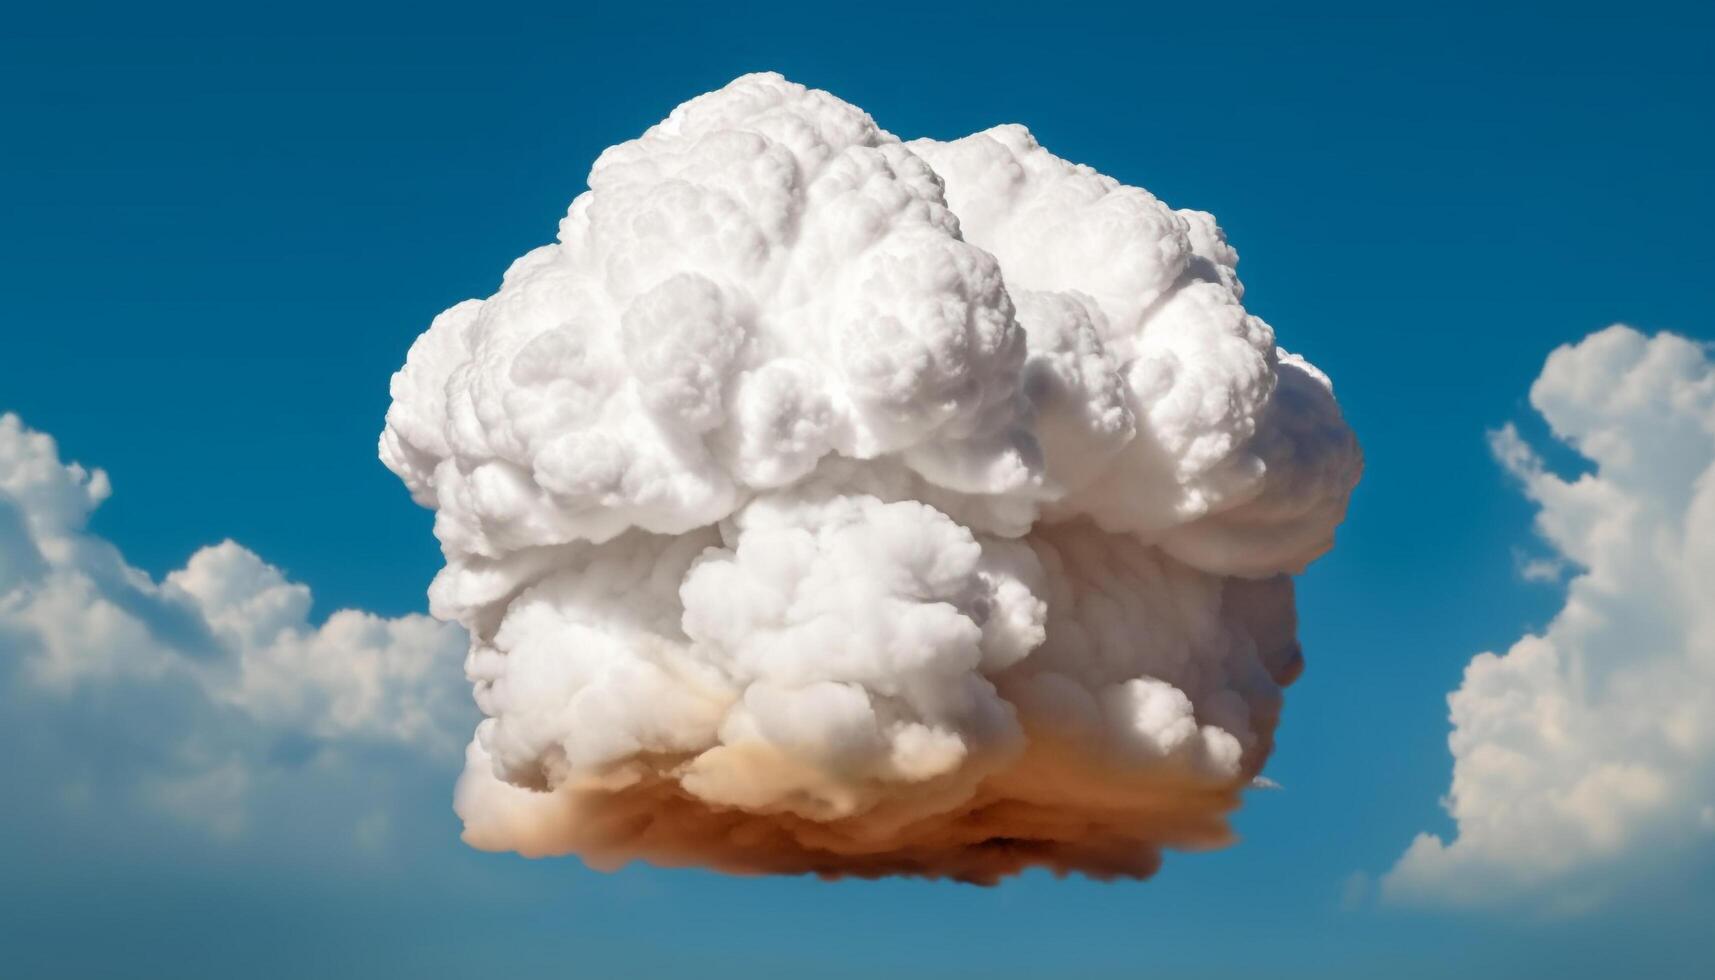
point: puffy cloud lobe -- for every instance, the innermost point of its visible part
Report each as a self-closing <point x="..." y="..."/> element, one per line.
<point x="1589" y="748"/>
<point x="822" y="502"/>
<point x="215" y="679"/>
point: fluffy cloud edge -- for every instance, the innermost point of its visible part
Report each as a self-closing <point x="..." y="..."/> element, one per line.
<point x="1585" y="753"/>
<point x="213" y="681"/>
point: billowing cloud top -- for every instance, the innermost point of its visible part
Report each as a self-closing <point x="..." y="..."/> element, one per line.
<point x="824" y="502"/>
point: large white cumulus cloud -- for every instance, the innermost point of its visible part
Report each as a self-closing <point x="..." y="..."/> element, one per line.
<point x="203" y="689"/>
<point x="823" y="502"/>
<point x="1590" y="746"/>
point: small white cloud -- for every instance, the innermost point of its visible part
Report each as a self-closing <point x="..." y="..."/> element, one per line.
<point x="1544" y="570"/>
<point x="1590" y="748"/>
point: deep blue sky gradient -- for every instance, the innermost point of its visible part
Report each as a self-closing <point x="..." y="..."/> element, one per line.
<point x="222" y="228"/>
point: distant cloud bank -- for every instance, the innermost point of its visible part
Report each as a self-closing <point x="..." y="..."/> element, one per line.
<point x="1590" y="747"/>
<point x="188" y="696"/>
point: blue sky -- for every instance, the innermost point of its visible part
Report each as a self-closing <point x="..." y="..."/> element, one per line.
<point x="222" y="231"/>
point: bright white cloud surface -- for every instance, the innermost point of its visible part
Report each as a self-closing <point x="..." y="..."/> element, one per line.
<point x="1589" y="748"/>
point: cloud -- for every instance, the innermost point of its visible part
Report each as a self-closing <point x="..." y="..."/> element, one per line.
<point x="188" y="697"/>
<point x="824" y="502"/>
<point x="1589" y="749"/>
<point x="1545" y="570"/>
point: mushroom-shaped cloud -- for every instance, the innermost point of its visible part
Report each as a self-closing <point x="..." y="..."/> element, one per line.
<point x="821" y="502"/>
